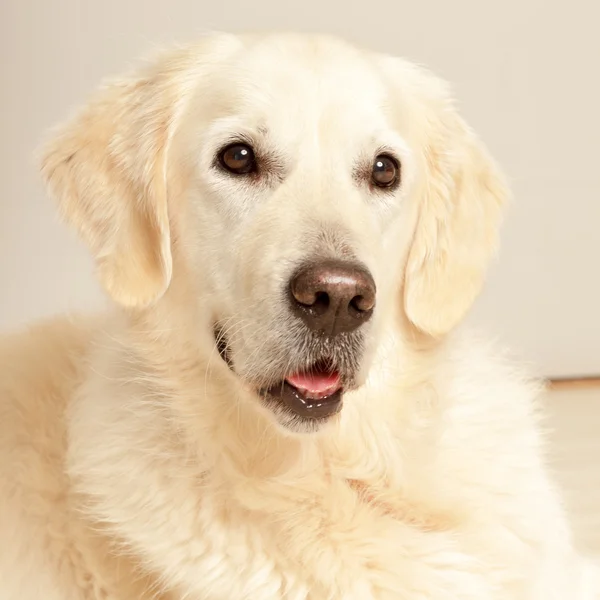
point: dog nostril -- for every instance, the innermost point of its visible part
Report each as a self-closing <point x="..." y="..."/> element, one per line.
<point x="317" y="303"/>
<point x="360" y="305"/>
<point x="363" y="302"/>
<point x="321" y="302"/>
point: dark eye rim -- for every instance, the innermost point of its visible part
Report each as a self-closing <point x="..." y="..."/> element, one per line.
<point x="252" y="166"/>
<point x="394" y="183"/>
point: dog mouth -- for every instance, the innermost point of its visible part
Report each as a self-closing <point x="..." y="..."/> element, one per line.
<point x="314" y="393"/>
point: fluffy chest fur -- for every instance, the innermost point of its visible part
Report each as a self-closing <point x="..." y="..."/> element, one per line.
<point x="209" y="494"/>
<point x="432" y="489"/>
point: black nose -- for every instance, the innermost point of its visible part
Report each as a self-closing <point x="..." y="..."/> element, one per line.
<point x="333" y="296"/>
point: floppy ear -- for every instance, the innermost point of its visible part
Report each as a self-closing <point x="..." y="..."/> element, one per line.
<point x="107" y="170"/>
<point x="459" y="216"/>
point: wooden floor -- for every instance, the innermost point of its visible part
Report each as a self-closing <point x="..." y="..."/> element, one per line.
<point x="575" y="420"/>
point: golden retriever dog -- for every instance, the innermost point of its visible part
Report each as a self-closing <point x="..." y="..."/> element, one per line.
<point x="281" y="404"/>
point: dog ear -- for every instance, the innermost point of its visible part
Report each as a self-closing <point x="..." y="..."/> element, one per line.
<point x="107" y="170"/>
<point x="461" y="196"/>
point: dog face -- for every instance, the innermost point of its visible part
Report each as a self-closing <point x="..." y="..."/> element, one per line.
<point x="310" y="192"/>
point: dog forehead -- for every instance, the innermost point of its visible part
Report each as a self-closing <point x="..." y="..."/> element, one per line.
<point x="299" y="83"/>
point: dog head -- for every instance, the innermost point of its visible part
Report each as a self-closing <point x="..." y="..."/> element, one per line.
<point x="301" y="192"/>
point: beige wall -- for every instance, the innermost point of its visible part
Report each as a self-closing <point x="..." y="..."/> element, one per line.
<point x="526" y="73"/>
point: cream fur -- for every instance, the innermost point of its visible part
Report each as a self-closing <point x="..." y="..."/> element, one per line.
<point x="135" y="464"/>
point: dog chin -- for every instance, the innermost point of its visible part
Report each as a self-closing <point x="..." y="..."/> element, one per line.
<point x="291" y="424"/>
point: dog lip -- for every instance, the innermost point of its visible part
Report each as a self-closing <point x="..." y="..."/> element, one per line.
<point x="302" y="404"/>
<point x="222" y="345"/>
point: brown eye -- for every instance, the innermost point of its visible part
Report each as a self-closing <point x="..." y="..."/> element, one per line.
<point x="238" y="159"/>
<point x="386" y="171"/>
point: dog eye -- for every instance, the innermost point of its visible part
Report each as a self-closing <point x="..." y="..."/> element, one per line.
<point x="386" y="171"/>
<point x="238" y="159"/>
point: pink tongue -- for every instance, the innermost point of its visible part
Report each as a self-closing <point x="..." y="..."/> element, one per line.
<point x="316" y="385"/>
